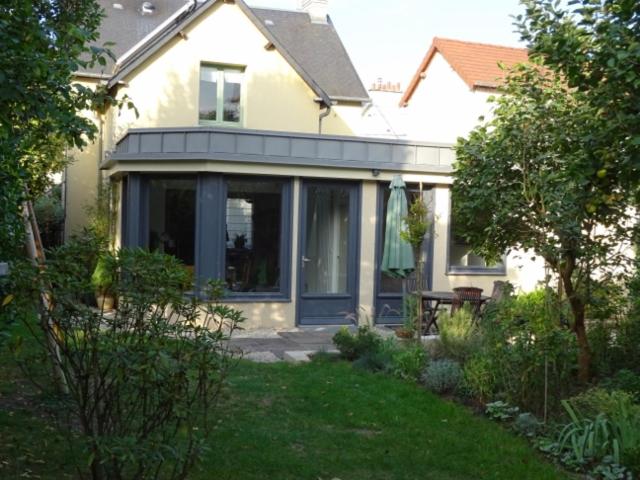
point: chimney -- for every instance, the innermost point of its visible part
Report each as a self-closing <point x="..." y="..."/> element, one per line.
<point x="317" y="9"/>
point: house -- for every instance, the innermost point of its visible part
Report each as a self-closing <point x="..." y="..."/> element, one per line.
<point x="245" y="161"/>
<point x="449" y="91"/>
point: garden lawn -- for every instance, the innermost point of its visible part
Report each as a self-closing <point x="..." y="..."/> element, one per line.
<point x="327" y="420"/>
<point x="317" y="421"/>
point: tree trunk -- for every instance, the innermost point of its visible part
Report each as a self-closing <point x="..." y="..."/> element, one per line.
<point x="578" y="327"/>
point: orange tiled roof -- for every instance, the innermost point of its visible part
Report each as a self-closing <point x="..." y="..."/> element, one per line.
<point x="476" y="63"/>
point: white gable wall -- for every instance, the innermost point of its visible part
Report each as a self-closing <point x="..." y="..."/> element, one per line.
<point x="443" y="107"/>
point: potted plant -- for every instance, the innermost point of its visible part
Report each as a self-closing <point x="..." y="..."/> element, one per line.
<point x="102" y="281"/>
<point x="240" y="240"/>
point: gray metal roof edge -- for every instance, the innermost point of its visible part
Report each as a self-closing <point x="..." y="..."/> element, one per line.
<point x="162" y="38"/>
<point x="99" y="76"/>
<point x="284" y="52"/>
<point x="155" y="43"/>
<point x="276" y="133"/>
<point x="352" y="99"/>
<point x="272" y="160"/>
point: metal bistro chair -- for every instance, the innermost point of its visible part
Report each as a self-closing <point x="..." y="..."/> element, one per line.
<point x="470" y="295"/>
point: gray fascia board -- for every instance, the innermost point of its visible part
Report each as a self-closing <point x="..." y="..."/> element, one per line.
<point x="279" y="133"/>
<point x="274" y="160"/>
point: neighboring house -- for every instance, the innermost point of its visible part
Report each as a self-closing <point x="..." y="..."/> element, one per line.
<point x="244" y="161"/>
<point x="449" y="91"/>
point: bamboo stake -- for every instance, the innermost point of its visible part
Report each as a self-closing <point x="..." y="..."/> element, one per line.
<point x="35" y="251"/>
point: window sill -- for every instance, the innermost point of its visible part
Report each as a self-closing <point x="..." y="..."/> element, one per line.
<point x="211" y="123"/>
<point x="256" y="298"/>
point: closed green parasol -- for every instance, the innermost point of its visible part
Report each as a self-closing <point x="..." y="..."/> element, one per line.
<point x="397" y="256"/>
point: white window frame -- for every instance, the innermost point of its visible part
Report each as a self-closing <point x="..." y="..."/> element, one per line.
<point x="220" y="94"/>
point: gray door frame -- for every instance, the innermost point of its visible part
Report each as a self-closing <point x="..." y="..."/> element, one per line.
<point x="347" y="303"/>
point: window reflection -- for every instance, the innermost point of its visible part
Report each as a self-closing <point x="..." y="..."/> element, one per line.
<point x="253" y="231"/>
<point x="172" y="226"/>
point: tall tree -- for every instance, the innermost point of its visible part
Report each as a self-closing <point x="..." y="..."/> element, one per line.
<point x="595" y="46"/>
<point x="534" y="178"/>
<point x="43" y="43"/>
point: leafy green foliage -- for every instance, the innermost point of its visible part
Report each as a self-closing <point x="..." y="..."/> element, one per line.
<point x="501" y="411"/>
<point x="416" y="223"/>
<point x="535" y="178"/>
<point x="49" y="213"/>
<point x="458" y="336"/>
<point x="595" y="46"/>
<point x="408" y="362"/>
<point x="43" y="44"/>
<point x="624" y="380"/>
<point x="442" y="376"/>
<point x="603" y="442"/>
<point x="143" y="382"/>
<point x="353" y="346"/>
<point x="525" y="356"/>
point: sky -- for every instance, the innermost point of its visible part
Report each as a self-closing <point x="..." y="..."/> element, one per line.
<point x="389" y="38"/>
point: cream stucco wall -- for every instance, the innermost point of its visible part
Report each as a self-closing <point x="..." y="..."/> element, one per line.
<point x="81" y="176"/>
<point x="165" y="88"/>
<point x="443" y="107"/>
<point x="522" y="270"/>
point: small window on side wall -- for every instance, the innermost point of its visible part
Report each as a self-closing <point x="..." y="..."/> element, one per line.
<point x="463" y="261"/>
<point x="220" y="98"/>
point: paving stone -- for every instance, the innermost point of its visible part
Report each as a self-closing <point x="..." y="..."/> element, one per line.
<point x="298" y="356"/>
<point x="262" y="357"/>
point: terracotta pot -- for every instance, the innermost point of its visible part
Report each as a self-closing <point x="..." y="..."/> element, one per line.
<point x="105" y="302"/>
<point x="403" y="333"/>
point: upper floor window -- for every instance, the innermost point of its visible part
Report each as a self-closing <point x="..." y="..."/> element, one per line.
<point x="220" y="95"/>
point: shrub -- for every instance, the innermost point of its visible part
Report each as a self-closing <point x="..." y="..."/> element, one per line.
<point x="442" y="376"/>
<point x="459" y="338"/>
<point x="353" y="346"/>
<point x="142" y="382"/>
<point x="527" y="354"/>
<point x="409" y="362"/>
<point x="624" y="380"/>
<point x="598" y="400"/>
<point x="480" y="377"/>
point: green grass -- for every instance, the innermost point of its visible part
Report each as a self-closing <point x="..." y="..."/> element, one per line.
<point x="322" y="420"/>
<point x="327" y="420"/>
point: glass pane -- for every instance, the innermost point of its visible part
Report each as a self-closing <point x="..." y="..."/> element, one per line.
<point x="391" y="284"/>
<point x="172" y="217"/>
<point x="327" y="240"/>
<point x="232" y="82"/>
<point x="461" y="256"/>
<point x="254" y="218"/>
<point x="208" y="93"/>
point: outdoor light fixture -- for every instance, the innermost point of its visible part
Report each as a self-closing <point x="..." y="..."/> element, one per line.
<point x="375" y="172"/>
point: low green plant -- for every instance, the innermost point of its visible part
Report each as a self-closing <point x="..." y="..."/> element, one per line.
<point x="603" y="442"/>
<point x="458" y="336"/>
<point x="527" y="425"/>
<point x="501" y="411"/>
<point x="442" y="376"/>
<point x="353" y="346"/>
<point x="612" y="403"/>
<point x="408" y="362"/>
<point x="480" y="377"/>
<point x="624" y="380"/>
<point x="103" y="276"/>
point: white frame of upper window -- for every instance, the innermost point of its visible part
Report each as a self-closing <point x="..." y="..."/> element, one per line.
<point x="220" y="70"/>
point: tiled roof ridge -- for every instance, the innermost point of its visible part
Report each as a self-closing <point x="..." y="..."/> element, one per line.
<point x="482" y="44"/>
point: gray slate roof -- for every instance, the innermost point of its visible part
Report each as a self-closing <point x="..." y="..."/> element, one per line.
<point x="318" y="49"/>
<point x="314" y="50"/>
